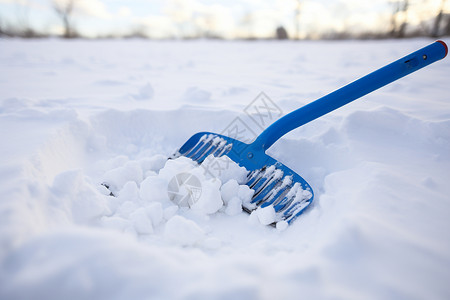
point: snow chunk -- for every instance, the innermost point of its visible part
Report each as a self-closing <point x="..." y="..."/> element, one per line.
<point x="234" y="206"/>
<point x="155" y="212"/>
<point x="116" y="178"/>
<point x="266" y="215"/>
<point x="126" y="209"/>
<point x="229" y="190"/>
<point x="224" y="168"/>
<point x="176" y="166"/>
<point x="154" y="189"/>
<point x="130" y="191"/>
<point x="253" y="218"/>
<point x="183" y="232"/>
<point x="282" y="225"/>
<point x="245" y="193"/>
<point x="153" y="163"/>
<point x="141" y="222"/>
<point x="78" y="198"/>
<point x="210" y="200"/>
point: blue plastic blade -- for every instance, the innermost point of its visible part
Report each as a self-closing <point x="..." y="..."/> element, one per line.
<point x="271" y="173"/>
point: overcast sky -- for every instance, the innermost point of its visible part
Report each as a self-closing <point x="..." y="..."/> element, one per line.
<point x="226" y="18"/>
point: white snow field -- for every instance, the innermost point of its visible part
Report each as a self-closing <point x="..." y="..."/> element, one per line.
<point x="76" y="114"/>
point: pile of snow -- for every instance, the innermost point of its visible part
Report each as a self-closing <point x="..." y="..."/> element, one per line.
<point x="168" y="198"/>
<point x="78" y="116"/>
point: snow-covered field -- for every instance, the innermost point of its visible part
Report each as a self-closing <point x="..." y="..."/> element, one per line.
<point x="76" y="114"/>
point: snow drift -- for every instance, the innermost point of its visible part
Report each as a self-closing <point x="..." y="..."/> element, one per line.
<point x="76" y="115"/>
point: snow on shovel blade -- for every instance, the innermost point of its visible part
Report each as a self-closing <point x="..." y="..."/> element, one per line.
<point x="274" y="183"/>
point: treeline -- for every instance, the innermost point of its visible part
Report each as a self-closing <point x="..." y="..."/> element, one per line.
<point x="435" y="25"/>
<point x="400" y="25"/>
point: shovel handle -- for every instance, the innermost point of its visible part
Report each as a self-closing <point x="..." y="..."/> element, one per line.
<point x="352" y="91"/>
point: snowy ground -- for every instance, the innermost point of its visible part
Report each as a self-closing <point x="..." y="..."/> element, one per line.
<point x="79" y="113"/>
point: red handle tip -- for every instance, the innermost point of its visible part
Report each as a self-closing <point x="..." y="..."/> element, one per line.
<point x="445" y="45"/>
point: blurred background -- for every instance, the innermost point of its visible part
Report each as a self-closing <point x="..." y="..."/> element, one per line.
<point x="224" y="19"/>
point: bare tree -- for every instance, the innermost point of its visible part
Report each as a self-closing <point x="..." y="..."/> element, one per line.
<point x="398" y="26"/>
<point x="2" y="29"/>
<point x="438" y="20"/>
<point x="64" y="9"/>
<point x="447" y="27"/>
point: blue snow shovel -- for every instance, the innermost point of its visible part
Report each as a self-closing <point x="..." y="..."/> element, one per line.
<point x="274" y="183"/>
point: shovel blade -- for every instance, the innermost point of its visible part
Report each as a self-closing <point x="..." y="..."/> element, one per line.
<point x="274" y="184"/>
